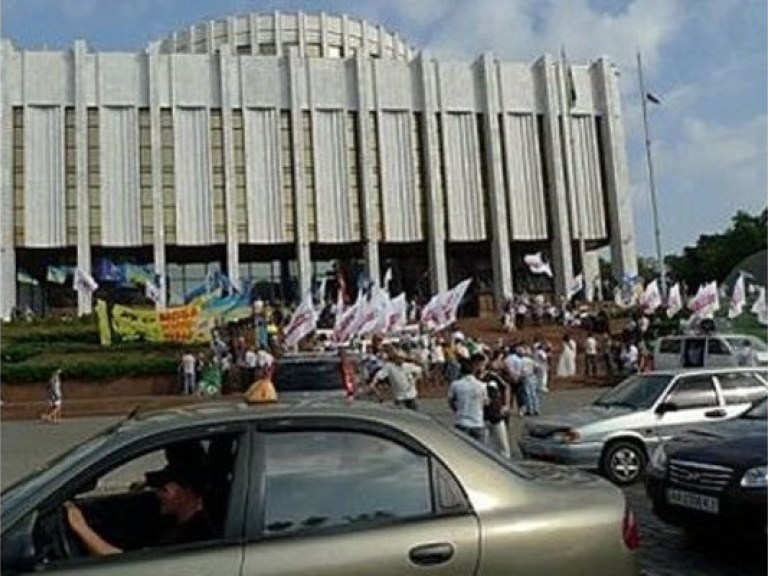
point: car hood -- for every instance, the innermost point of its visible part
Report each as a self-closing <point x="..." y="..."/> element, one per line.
<point x="733" y="449"/>
<point x="575" y="419"/>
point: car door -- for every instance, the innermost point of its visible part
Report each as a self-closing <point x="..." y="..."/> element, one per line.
<point x="692" y="399"/>
<point x="113" y="478"/>
<point x="718" y="353"/>
<point x="337" y="499"/>
<point x="740" y="390"/>
<point x="694" y="350"/>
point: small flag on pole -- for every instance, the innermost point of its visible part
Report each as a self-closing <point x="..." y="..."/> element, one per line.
<point x="738" y="298"/>
<point x="674" y="301"/>
<point x="84" y="282"/>
<point x="536" y="265"/>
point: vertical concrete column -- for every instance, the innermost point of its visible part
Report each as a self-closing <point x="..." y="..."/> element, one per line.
<point x="229" y="84"/>
<point x="562" y="257"/>
<point x="623" y="250"/>
<point x="497" y="196"/>
<point x="438" y="265"/>
<point x="156" y="144"/>
<point x="369" y="219"/>
<point x="7" y="244"/>
<point x="84" y="300"/>
<point x="297" y="79"/>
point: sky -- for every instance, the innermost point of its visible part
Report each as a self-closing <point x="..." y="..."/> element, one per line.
<point x="706" y="60"/>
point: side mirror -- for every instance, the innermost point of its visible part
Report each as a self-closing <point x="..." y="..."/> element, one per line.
<point x="665" y="407"/>
<point x="18" y="547"/>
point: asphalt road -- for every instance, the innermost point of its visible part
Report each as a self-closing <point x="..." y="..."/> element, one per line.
<point x="665" y="550"/>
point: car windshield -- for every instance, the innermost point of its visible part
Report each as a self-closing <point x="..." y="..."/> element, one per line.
<point x="738" y="343"/>
<point x="308" y="376"/>
<point x="21" y="489"/>
<point x="638" y="392"/>
<point x="758" y="412"/>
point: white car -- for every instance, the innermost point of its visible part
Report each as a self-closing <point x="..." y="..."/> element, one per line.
<point x="615" y="434"/>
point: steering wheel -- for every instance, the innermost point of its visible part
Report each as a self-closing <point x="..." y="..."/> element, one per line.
<point x="63" y="533"/>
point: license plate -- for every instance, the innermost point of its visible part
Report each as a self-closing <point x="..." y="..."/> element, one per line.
<point x="693" y="501"/>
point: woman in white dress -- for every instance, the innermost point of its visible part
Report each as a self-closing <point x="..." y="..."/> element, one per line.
<point x="566" y="365"/>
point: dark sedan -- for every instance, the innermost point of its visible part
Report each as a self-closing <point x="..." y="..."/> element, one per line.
<point x="714" y="478"/>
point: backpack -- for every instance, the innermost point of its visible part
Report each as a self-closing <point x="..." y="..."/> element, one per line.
<point x="261" y="392"/>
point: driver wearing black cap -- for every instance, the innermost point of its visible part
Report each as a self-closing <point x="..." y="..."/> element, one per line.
<point x="180" y="490"/>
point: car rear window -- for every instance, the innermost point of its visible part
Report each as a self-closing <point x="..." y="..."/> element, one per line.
<point x="308" y="376"/>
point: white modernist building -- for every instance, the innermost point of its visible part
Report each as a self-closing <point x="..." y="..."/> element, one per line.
<point x="265" y="144"/>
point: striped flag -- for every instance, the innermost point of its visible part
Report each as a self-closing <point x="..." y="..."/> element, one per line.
<point x="303" y="321"/>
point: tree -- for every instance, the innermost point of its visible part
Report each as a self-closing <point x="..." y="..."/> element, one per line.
<point x="714" y="256"/>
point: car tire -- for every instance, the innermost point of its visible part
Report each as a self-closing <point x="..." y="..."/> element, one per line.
<point x="623" y="462"/>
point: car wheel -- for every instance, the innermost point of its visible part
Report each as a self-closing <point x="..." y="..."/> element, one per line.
<point x="623" y="463"/>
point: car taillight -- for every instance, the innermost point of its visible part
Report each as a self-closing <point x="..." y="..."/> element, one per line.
<point x="348" y="378"/>
<point x="629" y="531"/>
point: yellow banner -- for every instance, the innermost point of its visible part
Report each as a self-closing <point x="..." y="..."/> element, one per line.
<point x="126" y="324"/>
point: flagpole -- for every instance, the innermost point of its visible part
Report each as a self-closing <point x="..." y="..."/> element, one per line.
<point x="656" y="229"/>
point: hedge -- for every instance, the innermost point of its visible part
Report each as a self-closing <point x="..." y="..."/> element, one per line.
<point x="95" y="369"/>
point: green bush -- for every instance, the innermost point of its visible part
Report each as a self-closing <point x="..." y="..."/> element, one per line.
<point x="96" y="368"/>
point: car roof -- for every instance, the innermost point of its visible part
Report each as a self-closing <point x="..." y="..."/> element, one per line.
<point x="713" y="370"/>
<point x="228" y="411"/>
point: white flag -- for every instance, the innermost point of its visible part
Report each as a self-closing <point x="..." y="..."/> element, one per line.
<point x="441" y="310"/>
<point x="349" y="320"/>
<point x="575" y="286"/>
<point x="706" y="302"/>
<point x="536" y="265"/>
<point x="651" y="298"/>
<point x="339" y="308"/>
<point x="674" y="301"/>
<point x="152" y="291"/>
<point x="387" y="279"/>
<point x="738" y="298"/>
<point x="84" y="282"/>
<point x="397" y="316"/>
<point x="303" y="321"/>
<point x="760" y="308"/>
<point x="374" y="313"/>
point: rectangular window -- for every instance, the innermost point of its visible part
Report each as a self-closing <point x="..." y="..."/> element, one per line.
<point x="145" y="177"/>
<point x="241" y="205"/>
<point x="169" y="175"/>
<point x="94" y="176"/>
<point x="217" y="182"/>
<point x="330" y="480"/>
<point x="18" y="175"/>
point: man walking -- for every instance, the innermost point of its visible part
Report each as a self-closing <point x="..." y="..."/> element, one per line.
<point x="468" y="397"/>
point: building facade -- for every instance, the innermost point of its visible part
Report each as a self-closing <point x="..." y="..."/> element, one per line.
<point x="273" y="146"/>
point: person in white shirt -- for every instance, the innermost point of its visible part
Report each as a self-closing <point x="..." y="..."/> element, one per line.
<point x="188" y="372"/>
<point x="402" y="376"/>
<point x="590" y="355"/>
<point x="468" y="397"/>
<point x="264" y="363"/>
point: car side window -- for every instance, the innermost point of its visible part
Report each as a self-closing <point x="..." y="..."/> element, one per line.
<point x="741" y="387"/>
<point x="670" y="346"/>
<point x="716" y="347"/>
<point x="693" y="392"/>
<point x="319" y="480"/>
<point x="693" y="357"/>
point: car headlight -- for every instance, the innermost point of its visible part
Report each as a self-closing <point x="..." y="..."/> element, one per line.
<point x="567" y="436"/>
<point x="658" y="459"/>
<point x="755" y="478"/>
